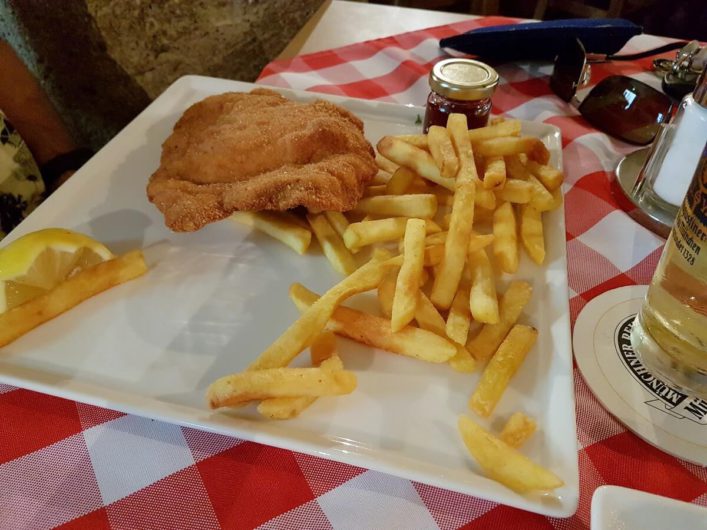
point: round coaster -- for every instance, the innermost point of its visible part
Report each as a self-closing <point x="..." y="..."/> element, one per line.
<point x="660" y="414"/>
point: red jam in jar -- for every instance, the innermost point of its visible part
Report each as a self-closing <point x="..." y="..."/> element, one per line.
<point x="463" y="86"/>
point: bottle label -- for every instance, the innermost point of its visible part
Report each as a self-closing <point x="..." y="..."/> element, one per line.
<point x="690" y="232"/>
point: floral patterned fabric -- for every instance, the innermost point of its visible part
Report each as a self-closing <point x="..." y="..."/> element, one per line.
<point x="21" y="185"/>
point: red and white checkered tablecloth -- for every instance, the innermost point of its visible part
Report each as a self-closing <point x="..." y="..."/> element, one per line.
<point x="76" y="466"/>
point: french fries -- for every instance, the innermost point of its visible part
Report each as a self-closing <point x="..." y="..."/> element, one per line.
<point x="235" y="389"/>
<point x="518" y="429"/>
<point x="407" y="285"/>
<point x="71" y="292"/>
<point x="541" y="199"/>
<point x="384" y="164"/>
<point x="366" y="233"/>
<point x="483" y="303"/>
<point x="338" y="222"/>
<point x="400" y="181"/>
<point x="495" y="173"/>
<point x="340" y="257"/>
<point x="442" y="151"/>
<point x="323" y="353"/>
<point x="501" y="462"/>
<point x="459" y="317"/>
<point x="422" y="206"/>
<point x="531" y="233"/>
<point x="516" y="191"/>
<point x="504" y="128"/>
<point x="278" y="225"/>
<point x="455" y="248"/>
<point x="505" y="238"/>
<point x="301" y="333"/>
<point x="426" y="183"/>
<point x="550" y="177"/>
<point x="509" y="145"/>
<point x="501" y="368"/>
<point x="414" y="158"/>
<point x="483" y="346"/>
<point x="428" y="317"/>
<point x="478" y="241"/>
<point x="376" y="331"/>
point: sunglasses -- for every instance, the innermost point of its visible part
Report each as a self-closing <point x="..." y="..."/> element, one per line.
<point x="620" y="106"/>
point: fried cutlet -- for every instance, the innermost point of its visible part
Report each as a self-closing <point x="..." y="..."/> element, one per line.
<point x="259" y="151"/>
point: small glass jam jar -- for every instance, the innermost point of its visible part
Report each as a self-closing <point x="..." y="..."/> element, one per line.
<point x="463" y="86"/>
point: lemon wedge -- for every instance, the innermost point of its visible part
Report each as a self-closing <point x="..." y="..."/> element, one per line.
<point x="33" y="264"/>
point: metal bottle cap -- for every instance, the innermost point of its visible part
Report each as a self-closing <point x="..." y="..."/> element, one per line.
<point x="463" y="79"/>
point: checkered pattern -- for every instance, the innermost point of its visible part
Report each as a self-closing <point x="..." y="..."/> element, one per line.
<point x="75" y="466"/>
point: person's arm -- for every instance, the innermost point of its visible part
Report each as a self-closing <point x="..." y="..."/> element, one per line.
<point x="28" y="108"/>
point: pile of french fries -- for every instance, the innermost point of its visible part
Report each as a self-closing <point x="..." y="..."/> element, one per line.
<point x="458" y="205"/>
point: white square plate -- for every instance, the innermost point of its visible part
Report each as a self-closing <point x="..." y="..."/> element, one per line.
<point x="214" y="299"/>
<point x="617" y="508"/>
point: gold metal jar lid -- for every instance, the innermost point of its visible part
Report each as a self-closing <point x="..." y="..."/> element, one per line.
<point x="463" y="79"/>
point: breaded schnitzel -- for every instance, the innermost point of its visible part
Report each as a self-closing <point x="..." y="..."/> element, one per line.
<point x="259" y="151"/>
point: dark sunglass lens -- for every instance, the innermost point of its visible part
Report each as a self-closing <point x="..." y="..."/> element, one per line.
<point x="627" y="109"/>
<point x="567" y="70"/>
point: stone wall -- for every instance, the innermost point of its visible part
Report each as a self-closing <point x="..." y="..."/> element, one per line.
<point x="102" y="61"/>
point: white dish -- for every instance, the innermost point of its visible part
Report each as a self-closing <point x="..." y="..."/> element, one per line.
<point x="617" y="508"/>
<point x="214" y="299"/>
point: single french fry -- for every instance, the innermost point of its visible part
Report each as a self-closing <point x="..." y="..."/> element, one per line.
<point x="531" y="233"/>
<point x="541" y="199"/>
<point x="478" y="241"/>
<point x="71" y="292"/>
<point x="414" y="158"/>
<point x="428" y="317"/>
<point x="418" y="140"/>
<point x="510" y="306"/>
<point x="386" y="292"/>
<point x="515" y="169"/>
<point x="501" y="368"/>
<point x="463" y="361"/>
<point x="322" y="353"/>
<point x="422" y="206"/>
<point x="495" y="120"/>
<point x="400" y="181"/>
<point x="550" y="177"/>
<point x="382" y="177"/>
<point x="323" y="347"/>
<point x="407" y="286"/>
<point x="332" y="245"/>
<point x="442" y="151"/>
<point x="434" y="254"/>
<point x="515" y="191"/>
<point x="495" y="130"/>
<point x="376" y="331"/>
<point x="459" y="317"/>
<point x="365" y="233"/>
<point x="438" y="238"/>
<point x="505" y="238"/>
<point x="301" y="332"/>
<point x="503" y="463"/>
<point x="385" y="164"/>
<point x="277" y="225"/>
<point x="518" y="429"/>
<point x="483" y="301"/>
<point x="338" y="221"/>
<point x="236" y="389"/>
<point x="495" y="173"/>
<point x="455" y="248"/>
<point x="511" y="145"/>
<point x="458" y="132"/>
<point x="374" y="191"/>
